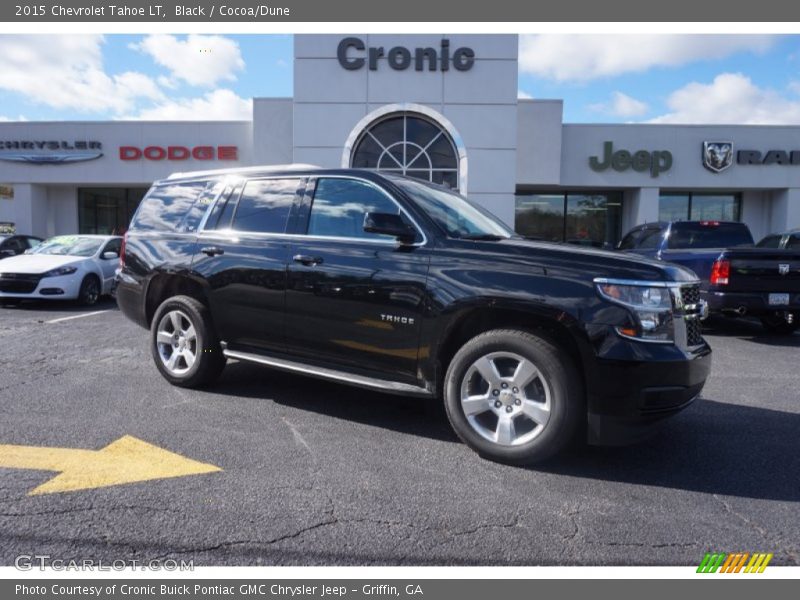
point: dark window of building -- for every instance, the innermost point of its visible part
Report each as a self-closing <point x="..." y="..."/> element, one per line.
<point x="340" y="205"/>
<point x="409" y="144"/>
<point x="699" y="207"/>
<point x="265" y="204"/>
<point x="107" y="211"/>
<point x="583" y="218"/>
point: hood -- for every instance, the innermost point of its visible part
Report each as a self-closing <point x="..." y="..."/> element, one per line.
<point x="37" y="263"/>
<point x="594" y="262"/>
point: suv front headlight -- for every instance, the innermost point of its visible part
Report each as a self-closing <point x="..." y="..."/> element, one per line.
<point x="651" y="304"/>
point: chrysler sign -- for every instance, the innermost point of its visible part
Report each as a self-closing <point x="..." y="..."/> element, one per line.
<point x="50" y="152"/>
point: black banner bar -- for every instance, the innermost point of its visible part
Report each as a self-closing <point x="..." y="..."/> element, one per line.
<point x="288" y="11"/>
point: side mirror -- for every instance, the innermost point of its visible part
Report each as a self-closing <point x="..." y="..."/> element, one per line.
<point x="389" y="224"/>
<point x="110" y="255"/>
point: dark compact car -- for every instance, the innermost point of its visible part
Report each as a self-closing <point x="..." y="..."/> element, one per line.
<point x="13" y="244"/>
<point x="388" y="283"/>
<point x="738" y="279"/>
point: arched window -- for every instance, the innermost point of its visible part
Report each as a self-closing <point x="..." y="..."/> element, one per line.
<point x="410" y="144"/>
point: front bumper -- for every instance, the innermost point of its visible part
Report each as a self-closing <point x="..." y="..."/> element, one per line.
<point x="632" y="387"/>
<point x="65" y="287"/>
<point x="751" y="303"/>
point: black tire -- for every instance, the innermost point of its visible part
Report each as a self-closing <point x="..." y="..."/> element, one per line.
<point x="90" y="291"/>
<point x="567" y="404"/>
<point x="778" y="324"/>
<point x="208" y="358"/>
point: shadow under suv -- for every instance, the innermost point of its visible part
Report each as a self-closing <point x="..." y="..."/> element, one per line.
<point x="390" y="283"/>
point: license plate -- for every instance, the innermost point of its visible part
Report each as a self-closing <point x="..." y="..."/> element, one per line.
<point x="778" y="299"/>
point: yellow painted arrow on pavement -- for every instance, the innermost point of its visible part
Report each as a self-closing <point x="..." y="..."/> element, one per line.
<point x="126" y="460"/>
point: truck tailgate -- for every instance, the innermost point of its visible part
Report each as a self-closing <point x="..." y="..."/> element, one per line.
<point x="763" y="270"/>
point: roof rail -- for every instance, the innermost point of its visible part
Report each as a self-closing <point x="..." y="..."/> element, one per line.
<point x="261" y="169"/>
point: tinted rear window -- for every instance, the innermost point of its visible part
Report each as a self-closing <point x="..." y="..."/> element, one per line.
<point x="265" y="205"/>
<point x="698" y="235"/>
<point x="165" y="206"/>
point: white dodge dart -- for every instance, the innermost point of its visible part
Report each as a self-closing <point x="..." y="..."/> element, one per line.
<point x="67" y="267"/>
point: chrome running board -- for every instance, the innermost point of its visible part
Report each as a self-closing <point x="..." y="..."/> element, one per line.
<point x="390" y="387"/>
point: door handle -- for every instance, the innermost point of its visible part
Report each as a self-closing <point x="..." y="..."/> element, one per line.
<point x="309" y="261"/>
<point x="212" y="250"/>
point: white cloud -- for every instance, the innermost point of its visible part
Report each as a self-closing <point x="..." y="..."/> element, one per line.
<point x="66" y="71"/>
<point x="730" y="98"/>
<point x="6" y="119"/>
<point x="219" y="105"/>
<point x="585" y="57"/>
<point x="200" y="60"/>
<point x="621" y="105"/>
<point x="524" y="95"/>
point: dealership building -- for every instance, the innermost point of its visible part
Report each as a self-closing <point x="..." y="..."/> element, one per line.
<point x="439" y="107"/>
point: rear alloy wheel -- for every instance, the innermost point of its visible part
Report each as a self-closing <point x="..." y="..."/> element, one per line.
<point x="184" y="345"/>
<point x="513" y="396"/>
<point x="781" y="323"/>
<point x="89" y="293"/>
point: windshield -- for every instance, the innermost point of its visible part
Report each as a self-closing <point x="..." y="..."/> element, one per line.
<point x="69" y="245"/>
<point x="457" y="216"/>
<point x="3" y="238"/>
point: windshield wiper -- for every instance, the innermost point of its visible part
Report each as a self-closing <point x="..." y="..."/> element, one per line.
<point x="487" y="237"/>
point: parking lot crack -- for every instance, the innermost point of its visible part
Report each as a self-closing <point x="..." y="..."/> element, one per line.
<point x="789" y="553"/>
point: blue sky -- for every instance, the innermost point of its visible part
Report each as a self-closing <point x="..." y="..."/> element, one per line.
<point x="601" y="78"/>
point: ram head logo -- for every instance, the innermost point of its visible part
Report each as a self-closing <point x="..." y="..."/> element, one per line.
<point x="717" y="156"/>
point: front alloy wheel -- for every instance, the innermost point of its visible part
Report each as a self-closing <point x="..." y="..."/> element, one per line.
<point x="514" y="396"/>
<point x="505" y="398"/>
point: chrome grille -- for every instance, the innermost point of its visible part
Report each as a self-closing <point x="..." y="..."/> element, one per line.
<point x="694" y="336"/>
<point x="690" y="294"/>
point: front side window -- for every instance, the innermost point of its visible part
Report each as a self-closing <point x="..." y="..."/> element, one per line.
<point x="265" y="204"/>
<point x="339" y="207"/>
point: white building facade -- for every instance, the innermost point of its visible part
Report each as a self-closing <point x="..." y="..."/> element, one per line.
<point x="437" y="107"/>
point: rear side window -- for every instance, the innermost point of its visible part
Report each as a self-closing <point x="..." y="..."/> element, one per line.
<point x="629" y="241"/>
<point x="165" y="206"/>
<point x="793" y="243"/>
<point x="265" y="204"/>
<point x="340" y="205"/>
<point x="651" y="239"/>
<point x="709" y="235"/>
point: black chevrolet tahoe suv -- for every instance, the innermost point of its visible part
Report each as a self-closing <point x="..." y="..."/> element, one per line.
<point x="385" y="282"/>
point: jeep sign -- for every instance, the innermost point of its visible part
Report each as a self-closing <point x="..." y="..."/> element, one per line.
<point x="353" y="54"/>
<point x="658" y="161"/>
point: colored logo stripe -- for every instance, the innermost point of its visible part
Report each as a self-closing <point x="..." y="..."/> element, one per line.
<point x="733" y="563"/>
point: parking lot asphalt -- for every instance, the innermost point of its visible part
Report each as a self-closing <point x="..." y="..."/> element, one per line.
<point x="317" y="473"/>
